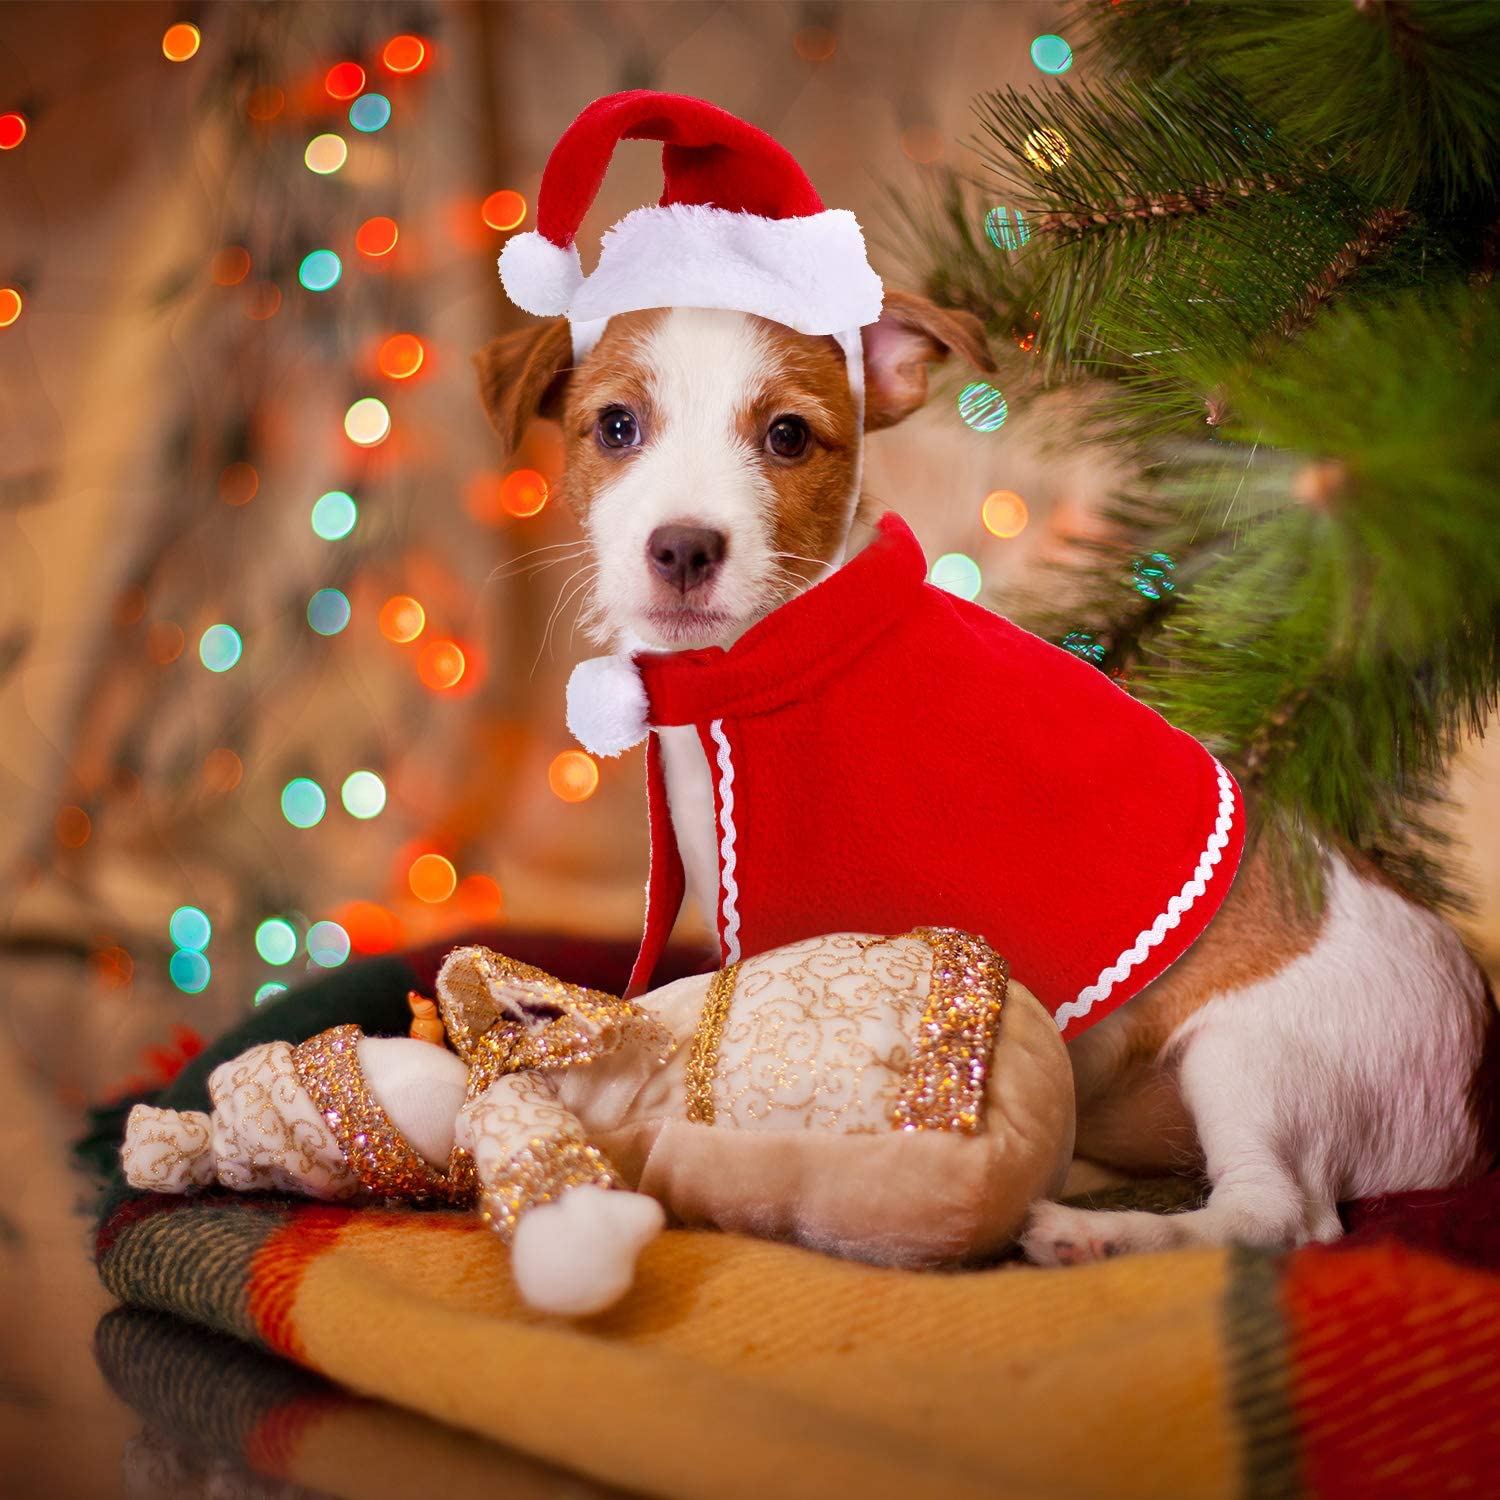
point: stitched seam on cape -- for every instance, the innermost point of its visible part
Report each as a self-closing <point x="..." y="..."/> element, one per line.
<point x="728" y="885"/>
<point x="1151" y="936"/>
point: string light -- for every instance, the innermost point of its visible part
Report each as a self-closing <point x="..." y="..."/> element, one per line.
<point x="1007" y="228"/>
<point x="404" y="54"/>
<point x="958" y="574"/>
<point x="269" y="991"/>
<point x="328" y="611"/>
<point x="1051" y="54"/>
<point x="230" y="266"/>
<point x="1004" y="514"/>
<point x="72" y="826"/>
<point x="11" y="304"/>
<point x="432" y="878"/>
<point x="402" y="619"/>
<point x="504" y="210"/>
<point x="982" y="407"/>
<point x="573" y="776"/>
<point x="344" y="80"/>
<point x="376" y="237"/>
<point x="320" y="270"/>
<point x="441" y="665"/>
<point x="265" y="103"/>
<point x="334" y="515"/>
<point x="189" y="971"/>
<point x="325" y="154"/>
<point x="276" y="941"/>
<point x="368" y="422"/>
<point x="238" y="483"/>
<point x="363" y="794"/>
<point x="303" y="803"/>
<point x="370" y="112"/>
<point x="220" y="647"/>
<point x="181" y="41"/>
<point x="1046" y="148"/>
<point x="327" y="944"/>
<point x="12" y="130"/>
<point x="401" y="356"/>
<point x="190" y="928"/>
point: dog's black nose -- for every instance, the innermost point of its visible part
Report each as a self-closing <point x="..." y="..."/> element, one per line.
<point x="685" y="556"/>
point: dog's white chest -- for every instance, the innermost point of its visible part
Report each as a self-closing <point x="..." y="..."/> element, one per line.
<point x="690" y="796"/>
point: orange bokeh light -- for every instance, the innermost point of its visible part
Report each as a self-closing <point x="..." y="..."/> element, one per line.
<point x="73" y="827"/>
<point x="265" y="102"/>
<point x="371" y="928"/>
<point x="402" y="619"/>
<point x="401" y="356"/>
<point x="404" y="54"/>
<point x="222" y="770"/>
<point x="165" y="641"/>
<point x="345" y="80"/>
<point x="573" y="776"/>
<point x="1004" y="513"/>
<point x="432" y="878"/>
<point x="441" y="665"/>
<point x="181" y="41"/>
<point x="503" y="210"/>
<point x="922" y="144"/>
<point x="112" y="967"/>
<point x="130" y="606"/>
<point x="231" y="265"/>
<point x="10" y="305"/>
<point x="815" y="44"/>
<point x="523" y="492"/>
<point x="376" y="237"/>
<point x="263" y="301"/>
<point x="479" y="898"/>
<point x="12" y="130"/>
<point x="238" y="483"/>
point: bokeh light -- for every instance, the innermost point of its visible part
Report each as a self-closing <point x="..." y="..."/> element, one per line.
<point x="1006" y="228"/>
<point x="363" y="794"/>
<point x="12" y="130"/>
<point x="189" y="971"/>
<point x="238" y="483"/>
<point x="264" y="301"/>
<point x="401" y="356"/>
<point x="265" y="103"/>
<point x="922" y="144"/>
<point x="230" y="266"/>
<point x="327" y="944"/>
<point x="113" y="967"/>
<point x="524" y="492"/>
<point x="276" y="941"/>
<point x="376" y="237"/>
<point x="478" y="896"/>
<point x="982" y="407"/>
<point x="573" y="776"/>
<point x="404" y="54"/>
<point x="269" y="991"/>
<point x="958" y="573"/>
<point x="402" y="619"/>
<point x="368" y="422"/>
<point x="220" y="647"/>
<point x="1046" y="148"/>
<point x="164" y="642"/>
<point x="181" y="41"/>
<point x="1152" y="575"/>
<point x="503" y="210"/>
<point x="815" y="44"/>
<point x="344" y="80"/>
<point x="11" y="304"/>
<point x="370" y="112"/>
<point x="432" y="878"/>
<point x="303" y="803"/>
<point x="223" y="770"/>
<point x="325" y="154"/>
<point x="1004" y="513"/>
<point x="190" y="928"/>
<point x="1051" y="54"/>
<point x="334" y="515"/>
<point x="328" y="611"/>
<point x="72" y="826"/>
<point x="441" y="665"/>
<point x="371" y="928"/>
<point x="1084" y="647"/>
<point x="320" y="270"/>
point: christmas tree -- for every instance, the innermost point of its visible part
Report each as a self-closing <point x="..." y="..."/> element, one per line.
<point x="1257" y="241"/>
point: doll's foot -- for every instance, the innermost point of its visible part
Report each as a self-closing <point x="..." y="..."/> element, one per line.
<point x="167" y="1150"/>
<point x="577" y="1256"/>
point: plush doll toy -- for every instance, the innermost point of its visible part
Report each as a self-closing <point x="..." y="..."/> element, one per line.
<point x="893" y="1099"/>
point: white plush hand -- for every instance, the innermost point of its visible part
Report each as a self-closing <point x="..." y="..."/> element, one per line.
<point x="577" y="1256"/>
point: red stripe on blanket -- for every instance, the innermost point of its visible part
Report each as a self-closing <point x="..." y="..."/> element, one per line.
<point x="271" y="1445"/>
<point x="1395" y="1372"/>
<point x="277" y="1270"/>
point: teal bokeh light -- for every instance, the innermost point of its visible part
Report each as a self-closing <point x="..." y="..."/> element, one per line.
<point x="303" y="803"/>
<point x="334" y="515"/>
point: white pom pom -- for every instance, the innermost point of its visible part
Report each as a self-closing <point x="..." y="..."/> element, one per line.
<point x="607" y="705"/>
<point x="538" y="276"/>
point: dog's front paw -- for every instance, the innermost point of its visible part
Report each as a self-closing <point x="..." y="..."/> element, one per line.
<point x="577" y="1256"/>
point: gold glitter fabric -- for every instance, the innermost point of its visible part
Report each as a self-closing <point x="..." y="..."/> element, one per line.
<point x="377" y="1153"/>
<point x="703" y="1060"/>
<point x="504" y="1016"/>
<point x="526" y="1149"/>
<point x="167" y="1150"/>
<point x="944" y="1086"/>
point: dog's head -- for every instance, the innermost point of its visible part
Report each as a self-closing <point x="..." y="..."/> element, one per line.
<point x="712" y="456"/>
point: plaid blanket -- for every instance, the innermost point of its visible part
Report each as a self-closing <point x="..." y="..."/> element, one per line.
<point x="738" y="1366"/>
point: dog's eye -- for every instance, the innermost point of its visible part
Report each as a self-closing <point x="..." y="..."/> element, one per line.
<point x="788" y="437"/>
<point x="617" y="428"/>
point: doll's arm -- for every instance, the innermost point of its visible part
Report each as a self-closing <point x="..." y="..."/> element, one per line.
<point x="573" y="1228"/>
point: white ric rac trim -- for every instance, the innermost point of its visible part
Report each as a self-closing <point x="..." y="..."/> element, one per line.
<point x="727" y="881"/>
<point x="1152" y="935"/>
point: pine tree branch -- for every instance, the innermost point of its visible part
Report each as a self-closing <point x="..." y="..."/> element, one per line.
<point x="1374" y="236"/>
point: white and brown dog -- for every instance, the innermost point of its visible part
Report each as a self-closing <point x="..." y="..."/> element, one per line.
<point x="1298" y="1060"/>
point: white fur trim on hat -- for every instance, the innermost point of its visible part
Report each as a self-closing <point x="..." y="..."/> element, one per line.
<point x="540" y="277"/>
<point x="607" y="705"/>
<point x="809" y="273"/>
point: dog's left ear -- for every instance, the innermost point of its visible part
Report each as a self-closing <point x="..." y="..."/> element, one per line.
<point x="913" y="333"/>
<point x="524" y="375"/>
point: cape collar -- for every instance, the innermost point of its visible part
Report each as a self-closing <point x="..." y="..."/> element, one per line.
<point x="798" y="645"/>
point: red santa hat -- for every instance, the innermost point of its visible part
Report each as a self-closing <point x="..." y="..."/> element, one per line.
<point x="739" y="226"/>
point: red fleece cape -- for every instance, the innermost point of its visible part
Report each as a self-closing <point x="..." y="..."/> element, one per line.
<point x="886" y="756"/>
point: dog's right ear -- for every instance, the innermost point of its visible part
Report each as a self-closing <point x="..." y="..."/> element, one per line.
<point x="524" y="375"/>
